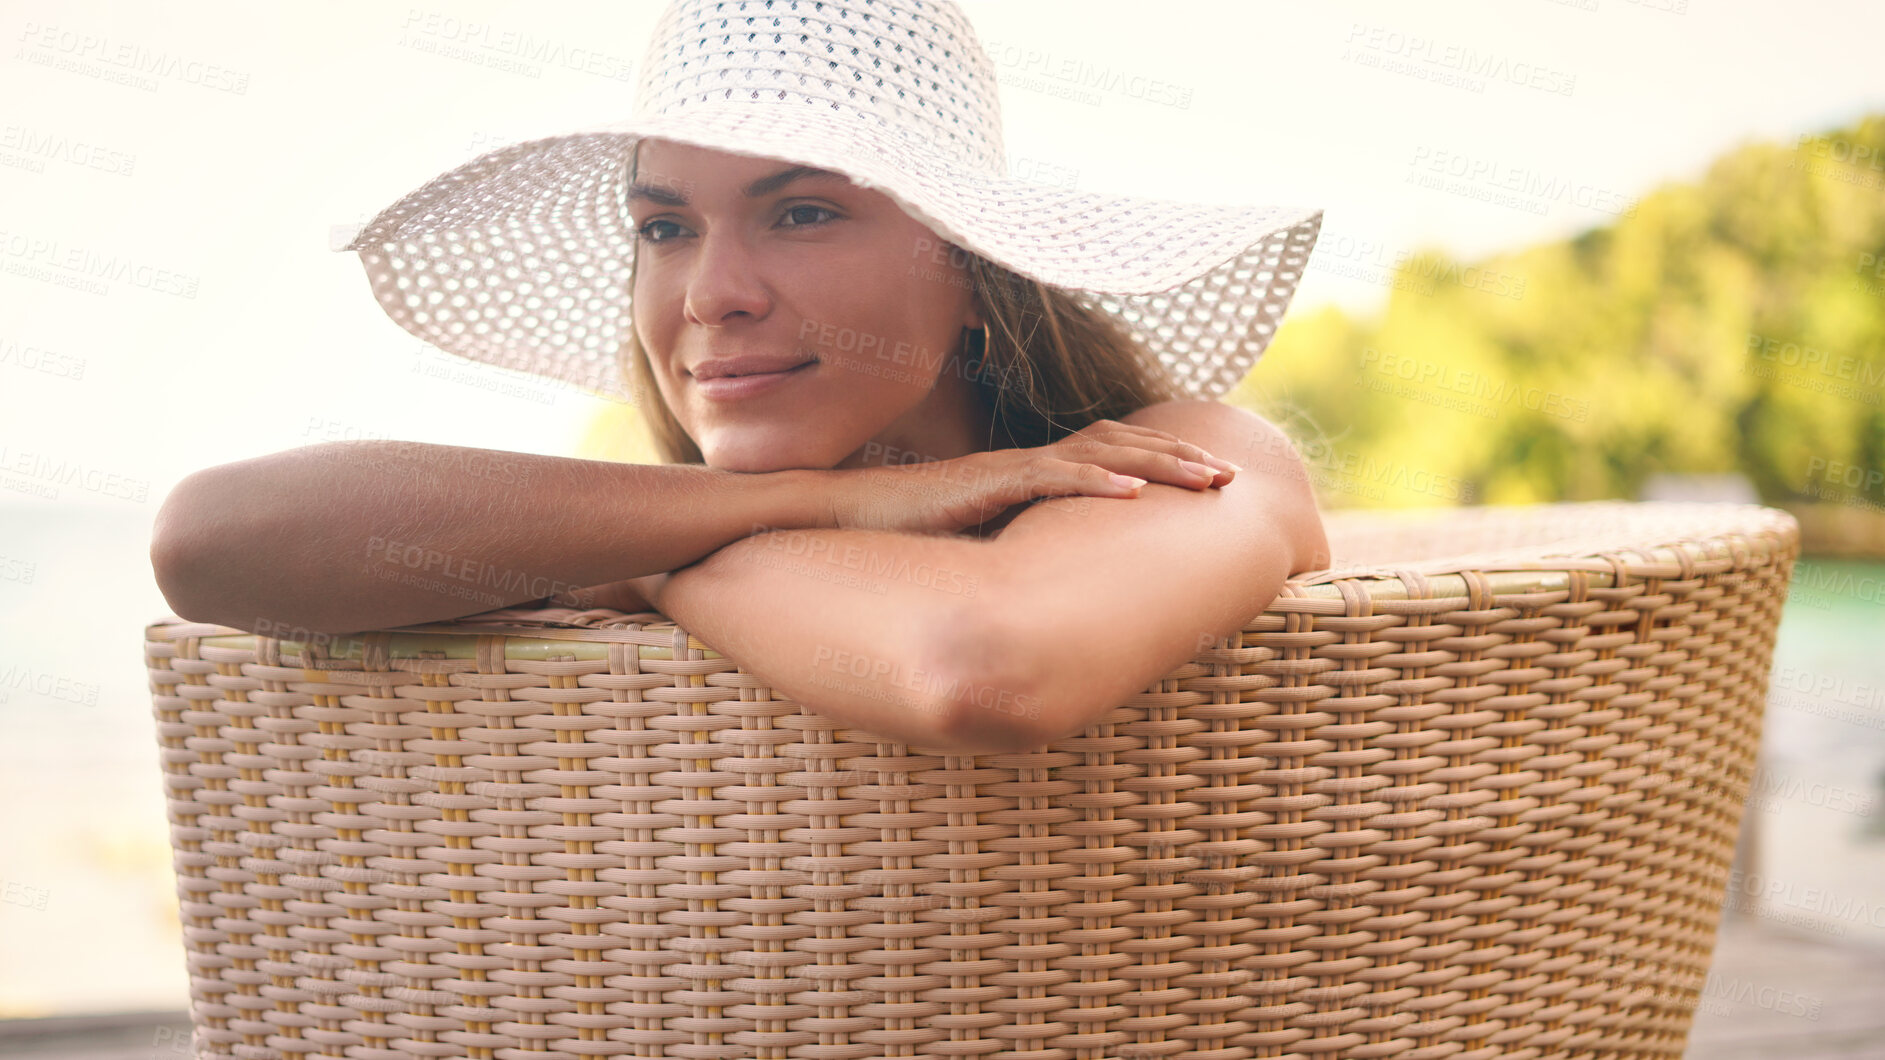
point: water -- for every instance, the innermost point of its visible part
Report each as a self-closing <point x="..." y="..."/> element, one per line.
<point x="1819" y="797"/>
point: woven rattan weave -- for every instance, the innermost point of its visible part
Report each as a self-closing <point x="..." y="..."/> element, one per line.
<point x="1472" y="793"/>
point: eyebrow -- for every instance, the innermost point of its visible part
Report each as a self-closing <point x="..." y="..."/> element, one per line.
<point x="762" y="186"/>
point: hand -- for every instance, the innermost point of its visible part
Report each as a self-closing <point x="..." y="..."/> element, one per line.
<point x="945" y="496"/>
<point x="650" y="587"/>
<point x="626" y="596"/>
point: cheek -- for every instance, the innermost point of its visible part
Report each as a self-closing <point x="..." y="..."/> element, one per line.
<point x="874" y="393"/>
<point x="653" y="317"/>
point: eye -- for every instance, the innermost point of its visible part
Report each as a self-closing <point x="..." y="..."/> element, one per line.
<point x="650" y="233"/>
<point x="647" y="231"/>
<point x="794" y="210"/>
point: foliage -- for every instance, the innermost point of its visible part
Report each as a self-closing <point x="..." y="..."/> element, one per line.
<point x="1733" y="324"/>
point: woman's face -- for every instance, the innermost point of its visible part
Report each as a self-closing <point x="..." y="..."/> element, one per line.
<point x="751" y="257"/>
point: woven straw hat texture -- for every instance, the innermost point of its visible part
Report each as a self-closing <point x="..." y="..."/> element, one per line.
<point x="521" y="257"/>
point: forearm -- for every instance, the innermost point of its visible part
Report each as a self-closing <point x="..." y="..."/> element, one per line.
<point x="880" y="631"/>
<point x="345" y="536"/>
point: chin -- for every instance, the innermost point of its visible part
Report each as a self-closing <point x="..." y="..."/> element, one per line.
<point x="804" y="437"/>
<point x="758" y="458"/>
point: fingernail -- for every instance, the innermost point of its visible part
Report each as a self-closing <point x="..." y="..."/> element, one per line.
<point x="1127" y="482"/>
<point x="1197" y="468"/>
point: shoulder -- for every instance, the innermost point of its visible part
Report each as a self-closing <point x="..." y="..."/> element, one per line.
<point x="1266" y="454"/>
<point x="1216" y="421"/>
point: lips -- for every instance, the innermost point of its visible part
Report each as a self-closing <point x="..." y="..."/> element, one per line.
<point x="734" y="367"/>
<point x="723" y="388"/>
<point x="743" y="375"/>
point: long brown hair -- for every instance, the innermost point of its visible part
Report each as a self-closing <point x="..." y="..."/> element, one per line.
<point x="1053" y="364"/>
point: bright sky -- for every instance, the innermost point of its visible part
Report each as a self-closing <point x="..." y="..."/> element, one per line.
<point x="244" y="334"/>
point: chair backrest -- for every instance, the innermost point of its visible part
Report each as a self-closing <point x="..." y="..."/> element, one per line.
<point x="1473" y="792"/>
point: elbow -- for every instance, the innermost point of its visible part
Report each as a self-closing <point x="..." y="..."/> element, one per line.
<point x="198" y="540"/>
<point x="994" y="717"/>
<point x="177" y="552"/>
<point x="987" y="687"/>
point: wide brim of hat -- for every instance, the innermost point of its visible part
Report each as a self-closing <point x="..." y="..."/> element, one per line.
<point x="520" y="257"/>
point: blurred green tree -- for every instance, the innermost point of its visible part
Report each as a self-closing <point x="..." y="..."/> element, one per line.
<point x="1733" y="324"/>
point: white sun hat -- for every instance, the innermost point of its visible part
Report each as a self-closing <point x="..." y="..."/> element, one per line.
<point x="521" y="257"/>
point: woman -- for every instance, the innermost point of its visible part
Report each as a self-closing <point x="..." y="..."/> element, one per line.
<point x="858" y="410"/>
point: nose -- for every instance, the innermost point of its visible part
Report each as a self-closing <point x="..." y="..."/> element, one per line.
<point x="725" y="282"/>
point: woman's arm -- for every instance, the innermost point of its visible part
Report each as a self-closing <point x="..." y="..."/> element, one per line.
<point x="1101" y="604"/>
<point x="878" y="630"/>
<point x="1008" y="643"/>
<point x="354" y="535"/>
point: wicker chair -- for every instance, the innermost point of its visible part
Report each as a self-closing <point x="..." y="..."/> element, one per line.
<point x="1472" y="793"/>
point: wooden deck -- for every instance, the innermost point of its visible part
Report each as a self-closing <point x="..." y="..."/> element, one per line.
<point x="1775" y="994"/>
<point x="1770" y="996"/>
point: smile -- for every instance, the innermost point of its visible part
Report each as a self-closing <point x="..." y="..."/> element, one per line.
<point x="733" y="387"/>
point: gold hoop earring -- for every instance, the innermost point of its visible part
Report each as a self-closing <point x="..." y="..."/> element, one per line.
<point x="986" y="338"/>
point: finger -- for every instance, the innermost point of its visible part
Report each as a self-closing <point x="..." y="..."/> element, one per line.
<point x="1170" y="465"/>
<point x="1053" y="477"/>
<point x="1176" y="462"/>
<point x="1114" y="427"/>
<point x="1164" y="442"/>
